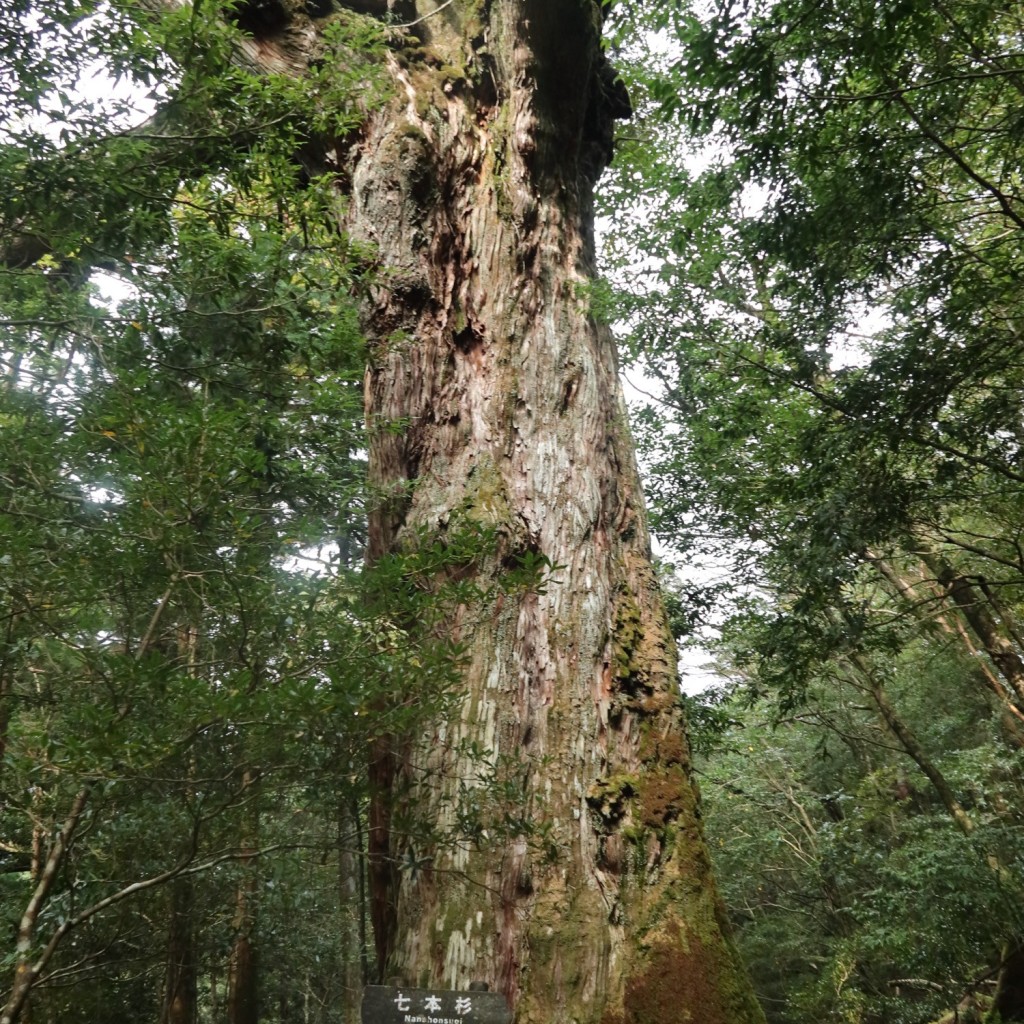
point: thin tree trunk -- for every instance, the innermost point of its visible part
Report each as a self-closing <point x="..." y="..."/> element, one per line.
<point x="27" y="972"/>
<point x="180" y="1002"/>
<point x="214" y="994"/>
<point x="350" y="910"/>
<point x="180" y="1005"/>
<point x="243" y="976"/>
<point x="6" y="684"/>
<point x="382" y="864"/>
<point x="909" y="742"/>
<point x="975" y="609"/>
<point x="242" y="1001"/>
<point x="905" y="736"/>
<point x="951" y="626"/>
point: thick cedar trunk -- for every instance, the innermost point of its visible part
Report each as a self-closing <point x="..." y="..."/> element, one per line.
<point x="493" y="398"/>
<point x="473" y="185"/>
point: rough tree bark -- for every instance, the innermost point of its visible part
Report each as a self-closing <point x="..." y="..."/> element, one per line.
<point x="180" y="999"/>
<point x="473" y="185"/>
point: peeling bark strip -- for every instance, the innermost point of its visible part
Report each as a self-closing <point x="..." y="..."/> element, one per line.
<point x="493" y="398"/>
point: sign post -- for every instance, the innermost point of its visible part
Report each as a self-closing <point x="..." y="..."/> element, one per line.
<point x="383" y="1004"/>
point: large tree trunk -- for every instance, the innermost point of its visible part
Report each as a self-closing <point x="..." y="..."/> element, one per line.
<point x="493" y="397"/>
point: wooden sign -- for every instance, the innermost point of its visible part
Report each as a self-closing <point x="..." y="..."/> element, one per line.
<point x="383" y="1004"/>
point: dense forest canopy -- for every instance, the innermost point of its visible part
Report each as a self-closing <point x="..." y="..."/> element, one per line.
<point x="829" y="202"/>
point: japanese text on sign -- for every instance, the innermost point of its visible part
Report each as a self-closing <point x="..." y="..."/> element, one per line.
<point x="385" y="1005"/>
<point x="431" y="1008"/>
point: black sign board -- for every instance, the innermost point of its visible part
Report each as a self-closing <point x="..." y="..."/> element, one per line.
<point x="383" y="1004"/>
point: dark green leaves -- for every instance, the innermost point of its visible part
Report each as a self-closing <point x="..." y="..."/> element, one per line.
<point x="816" y="236"/>
<point x="187" y="635"/>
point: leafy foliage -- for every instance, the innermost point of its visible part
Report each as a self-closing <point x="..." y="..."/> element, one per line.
<point x="193" y="664"/>
<point x="827" y="199"/>
<point x="854" y="895"/>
